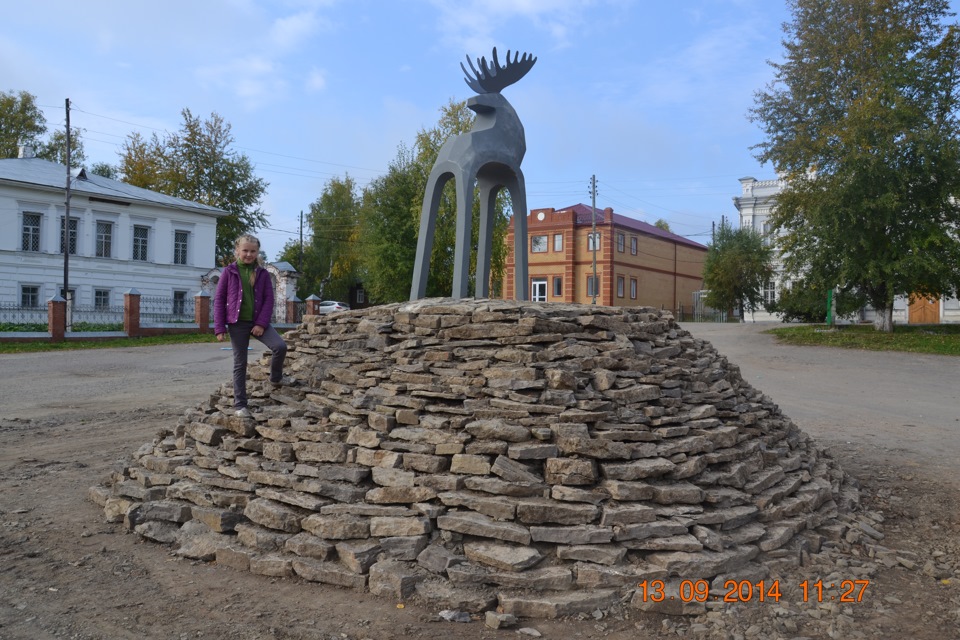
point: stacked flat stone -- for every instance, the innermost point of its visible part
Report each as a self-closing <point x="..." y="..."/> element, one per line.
<point x="540" y="458"/>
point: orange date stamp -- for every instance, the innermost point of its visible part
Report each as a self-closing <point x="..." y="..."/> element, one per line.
<point x="846" y="591"/>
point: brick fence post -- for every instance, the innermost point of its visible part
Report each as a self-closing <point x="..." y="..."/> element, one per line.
<point x="57" y="318"/>
<point x="131" y="313"/>
<point x="201" y="311"/>
<point x="312" y="303"/>
<point x="291" y="315"/>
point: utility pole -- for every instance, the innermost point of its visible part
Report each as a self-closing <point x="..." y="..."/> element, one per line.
<point x="66" y="232"/>
<point x="300" y="262"/>
<point x="593" y="207"/>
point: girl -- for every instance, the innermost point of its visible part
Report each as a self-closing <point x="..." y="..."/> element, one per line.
<point x="242" y="307"/>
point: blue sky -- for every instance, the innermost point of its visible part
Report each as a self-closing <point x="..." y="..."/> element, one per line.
<point x="651" y="97"/>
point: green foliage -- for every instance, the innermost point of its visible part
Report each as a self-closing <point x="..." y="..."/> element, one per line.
<point x="456" y="118"/>
<point x="941" y="339"/>
<point x="111" y="343"/>
<point x="55" y="149"/>
<point x="389" y="223"/>
<point x="106" y="170"/>
<point x="330" y="259"/>
<point x="22" y="122"/>
<point x="662" y="224"/>
<point x="736" y="269"/>
<point x="861" y="121"/>
<point x="373" y="238"/>
<point x="24" y="326"/>
<point x="198" y="164"/>
<point x="801" y="302"/>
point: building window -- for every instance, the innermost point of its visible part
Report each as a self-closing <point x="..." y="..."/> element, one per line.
<point x="558" y="242"/>
<point x="29" y="296"/>
<point x="538" y="244"/>
<point x="767" y="233"/>
<point x="361" y="296"/>
<point x="179" y="302"/>
<point x="538" y="289"/>
<point x="104" y="239"/>
<point x="180" y="239"/>
<point x="593" y="241"/>
<point x="72" y="234"/>
<point x="30" y="239"/>
<point x="620" y="286"/>
<point x="101" y="298"/>
<point x="557" y="286"/>
<point x="633" y="245"/>
<point x="141" y="236"/>
<point x="621" y="242"/>
<point x="769" y="292"/>
<point x="633" y="288"/>
<point x="593" y="286"/>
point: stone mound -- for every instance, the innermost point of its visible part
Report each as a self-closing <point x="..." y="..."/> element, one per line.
<point x="542" y="459"/>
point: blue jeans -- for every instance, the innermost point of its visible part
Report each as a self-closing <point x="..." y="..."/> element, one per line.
<point x="240" y="340"/>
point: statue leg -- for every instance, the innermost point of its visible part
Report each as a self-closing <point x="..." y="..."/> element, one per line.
<point x="428" y="224"/>
<point x="488" y="200"/>
<point x="461" y="252"/>
<point x="518" y="198"/>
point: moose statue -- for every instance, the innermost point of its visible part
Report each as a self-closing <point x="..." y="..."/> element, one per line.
<point x="490" y="154"/>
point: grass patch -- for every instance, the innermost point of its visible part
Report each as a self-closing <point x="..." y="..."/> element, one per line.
<point x="941" y="339"/>
<point x="112" y="343"/>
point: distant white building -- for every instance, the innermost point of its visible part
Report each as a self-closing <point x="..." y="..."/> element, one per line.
<point x="756" y="203"/>
<point x="120" y="237"/>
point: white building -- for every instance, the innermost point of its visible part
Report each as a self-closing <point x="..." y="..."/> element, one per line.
<point x="756" y="203"/>
<point x="120" y="237"/>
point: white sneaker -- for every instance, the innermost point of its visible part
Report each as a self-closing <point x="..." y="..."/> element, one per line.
<point x="243" y="412"/>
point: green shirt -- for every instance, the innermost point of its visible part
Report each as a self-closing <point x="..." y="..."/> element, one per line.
<point x="246" y="280"/>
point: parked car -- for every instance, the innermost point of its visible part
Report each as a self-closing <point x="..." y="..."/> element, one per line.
<point x="329" y="306"/>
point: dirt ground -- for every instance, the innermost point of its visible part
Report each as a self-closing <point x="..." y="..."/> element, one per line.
<point x="67" y="419"/>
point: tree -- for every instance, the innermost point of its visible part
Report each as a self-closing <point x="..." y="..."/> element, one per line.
<point x="106" y="170"/>
<point x="801" y="302"/>
<point x="736" y="269"/>
<point x="861" y="121"/>
<point x="389" y="224"/>
<point x="23" y="123"/>
<point x="197" y="163"/>
<point x="55" y="149"/>
<point x="391" y="218"/>
<point x="330" y="259"/>
<point x="456" y="118"/>
<point x="663" y="225"/>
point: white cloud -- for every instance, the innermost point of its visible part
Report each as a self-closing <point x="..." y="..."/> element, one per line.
<point x="316" y="80"/>
<point x="471" y="24"/>
<point x="254" y="79"/>
<point x="290" y="32"/>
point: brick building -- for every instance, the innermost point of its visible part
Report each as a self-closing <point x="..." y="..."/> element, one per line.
<point x="638" y="264"/>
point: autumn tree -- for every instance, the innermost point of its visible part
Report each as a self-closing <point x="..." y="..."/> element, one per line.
<point x="861" y="120"/>
<point x="198" y="163"/>
<point x="736" y="269"/>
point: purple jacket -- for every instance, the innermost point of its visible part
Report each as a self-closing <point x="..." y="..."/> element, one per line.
<point x="226" y="304"/>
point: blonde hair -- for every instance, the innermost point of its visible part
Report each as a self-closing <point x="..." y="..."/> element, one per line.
<point x="248" y="238"/>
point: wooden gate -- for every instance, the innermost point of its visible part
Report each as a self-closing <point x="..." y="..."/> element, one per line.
<point x="924" y="311"/>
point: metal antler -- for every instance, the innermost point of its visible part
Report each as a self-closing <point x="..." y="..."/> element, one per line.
<point x="493" y="80"/>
